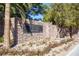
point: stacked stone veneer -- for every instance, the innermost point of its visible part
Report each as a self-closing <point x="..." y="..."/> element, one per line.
<point x="48" y="30"/>
<point x="20" y="34"/>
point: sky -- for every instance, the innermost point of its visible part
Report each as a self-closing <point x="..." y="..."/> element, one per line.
<point x="39" y="16"/>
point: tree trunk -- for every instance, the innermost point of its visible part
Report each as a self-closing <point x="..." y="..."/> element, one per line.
<point x="7" y="26"/>
<point x="70" y="29"/>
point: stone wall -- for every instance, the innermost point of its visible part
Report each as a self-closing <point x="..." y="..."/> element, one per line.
<point x="39" y="30"/>
<point x="47" y="31"/>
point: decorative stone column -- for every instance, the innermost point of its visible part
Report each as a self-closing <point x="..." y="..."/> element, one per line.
<point x="12" y="30"/>
<point x="12" y="27"/>
<point x="19" y="31"/>
<point x="46" y="30"/>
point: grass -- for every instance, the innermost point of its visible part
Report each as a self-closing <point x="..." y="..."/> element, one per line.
<point x="1" y="39"/>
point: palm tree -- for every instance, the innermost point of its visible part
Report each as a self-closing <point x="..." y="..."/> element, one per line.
<point x="14" y="10"/>
<point x="7" y="26"/>
<point x="11" y="9"/>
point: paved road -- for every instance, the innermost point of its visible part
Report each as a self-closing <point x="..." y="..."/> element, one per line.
<point x="74" y="52"/>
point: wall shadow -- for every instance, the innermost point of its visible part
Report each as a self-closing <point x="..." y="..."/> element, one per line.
<point x="27" y="28"/>
<point x="32" y="28"/>
<point x="65" y="31"/>
<point x="15" y="33"/>
<point x="1" y="27"/>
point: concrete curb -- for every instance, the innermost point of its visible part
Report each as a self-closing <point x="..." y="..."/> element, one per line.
<point x="74" y="51"/>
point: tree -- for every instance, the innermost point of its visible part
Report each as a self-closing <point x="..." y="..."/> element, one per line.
<point x="36" y="9"/>
<point x="14" y="10"/>
<point x="7" y="26"/>
<point x="8" y="14"/>
<point x="64" y="15"/>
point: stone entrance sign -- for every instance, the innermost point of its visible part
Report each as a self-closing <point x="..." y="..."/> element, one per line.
<point x="38" y="30"/>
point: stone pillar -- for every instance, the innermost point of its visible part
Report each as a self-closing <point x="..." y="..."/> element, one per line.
<point x="20" y="31"/>
<point x="46" y="29"/>
<point x="54" y="32"/>
<point x="12" y="27"/>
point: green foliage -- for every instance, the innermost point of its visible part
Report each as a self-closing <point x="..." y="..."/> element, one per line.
<point x="65" y="15"/>
<point x="17" y="9"/>
<point x="40" y="8"/>
<point x="22" y="9"/>
<point x="1" y="39"/>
